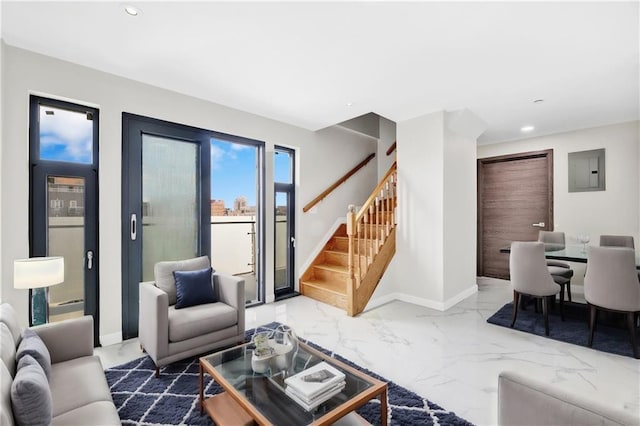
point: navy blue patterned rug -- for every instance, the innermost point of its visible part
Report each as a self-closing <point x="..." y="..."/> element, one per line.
<point x="172" y="398"/>
<point x="610" y="336"/>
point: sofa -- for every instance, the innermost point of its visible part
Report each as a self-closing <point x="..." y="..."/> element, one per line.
<point x="523" y="400"/>
<point x="76" y="390"/>
<point x="169" y="333"/>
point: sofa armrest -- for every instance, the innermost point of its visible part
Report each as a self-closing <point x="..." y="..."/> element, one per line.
<point x="153" y="320"/>
<point x="231" y="292"/>
<point x="525" y="401"/>
<point x="68" y="339"/>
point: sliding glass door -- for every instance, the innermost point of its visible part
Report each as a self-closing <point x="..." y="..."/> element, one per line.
<point x="189" y="192"/>
<point x="165" y="202"/>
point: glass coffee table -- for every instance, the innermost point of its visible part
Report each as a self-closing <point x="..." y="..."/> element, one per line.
<point x="251" y="397"/>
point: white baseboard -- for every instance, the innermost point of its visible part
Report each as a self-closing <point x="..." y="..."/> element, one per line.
<point x="322" y="242"/>
<point x="421" y="301"/>
<point x="111" y="339"/>
<point x="460" y="297"/>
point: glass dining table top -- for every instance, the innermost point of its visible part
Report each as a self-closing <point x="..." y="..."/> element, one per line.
<point x="570" y="253"/>
<point x="573" y="253"/>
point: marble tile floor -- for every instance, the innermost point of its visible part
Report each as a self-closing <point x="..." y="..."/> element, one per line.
<point x="452" y="358"/>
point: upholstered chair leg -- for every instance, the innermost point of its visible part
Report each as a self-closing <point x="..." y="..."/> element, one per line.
<point x="569" y="290"/>
<point x="562" y="302"/>
<point x="545" y="313"/>
<point x="593" y="314"/>
<point x="632" y="331"/>
<point x="157" y="371"/>
<point x="515" y="308"/>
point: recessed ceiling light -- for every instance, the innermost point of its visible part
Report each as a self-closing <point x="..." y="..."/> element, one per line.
<point x="131" y="10"/>
<point x="349" y="104"/>
<point x="526" y="129"/>
<point x="537" y="101"/>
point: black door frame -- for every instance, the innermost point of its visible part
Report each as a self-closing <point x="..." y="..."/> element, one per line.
<point x="133" y="126"/>
<point x="289" y="189"/>
<point x="38" y="220"/>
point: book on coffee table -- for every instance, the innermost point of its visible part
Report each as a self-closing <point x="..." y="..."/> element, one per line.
<point x="310" y="404"/>
<point x="315" y="380"/>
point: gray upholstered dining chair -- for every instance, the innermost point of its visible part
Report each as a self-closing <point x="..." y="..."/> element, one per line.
<point x="611" y="284"/>
<point x="529" y="276"/>
<point x="616" y="241"/>
<point x="561" y="272"/>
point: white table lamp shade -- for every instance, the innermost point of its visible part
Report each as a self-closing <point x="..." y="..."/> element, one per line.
<point x="38" y="272"/>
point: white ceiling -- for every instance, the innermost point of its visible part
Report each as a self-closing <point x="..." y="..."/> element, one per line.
<point x="302" y="62"/>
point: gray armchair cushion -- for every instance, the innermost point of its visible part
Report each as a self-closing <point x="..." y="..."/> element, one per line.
<point x="10" y="318"/>
<point x="199" y="320"/>
<point x="30" y="394"/>
<point x="163" y="273"/>
<point x="32" y="345"/>
<point x="7" y="349"/>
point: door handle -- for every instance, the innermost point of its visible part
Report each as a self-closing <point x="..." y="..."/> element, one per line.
<point x="293" y="241"/>
<point x="134" y="230"/>
<point x="90" y="259"/>
<point x="539" y="224"/>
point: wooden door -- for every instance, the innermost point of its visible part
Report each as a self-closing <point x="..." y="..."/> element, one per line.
<point x="515" y="201"/>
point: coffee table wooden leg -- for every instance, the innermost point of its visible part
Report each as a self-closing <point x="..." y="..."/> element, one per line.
<point x="201" y="390"/>
<point x="383" y="407"/>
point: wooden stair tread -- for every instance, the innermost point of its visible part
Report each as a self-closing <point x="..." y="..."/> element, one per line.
<point x="330" y="286"/>
<point x="336" y="251"/>
<point x="333" y="268"/>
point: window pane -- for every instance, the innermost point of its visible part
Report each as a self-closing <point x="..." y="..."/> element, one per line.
<point x="65" y="135"/>
<point x="234" y="209"/>
<point x="169" y="201"/>
<point x="282" y="241"/>
<point x="66" y="239"/>
<point x="282" y="167"/>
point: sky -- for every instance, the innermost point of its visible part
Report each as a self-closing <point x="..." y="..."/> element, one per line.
<point x="67" y="136"/>
<point x="233" y="172"/>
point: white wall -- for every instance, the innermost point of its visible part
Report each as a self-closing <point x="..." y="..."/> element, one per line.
<point x="460" y="192"/>
<point x="322" y="157"/>
<point x="613" y="211"/>
<point x="387" y="138"/>
<point x="435" y="260"/>
<point x="420" y="235"/>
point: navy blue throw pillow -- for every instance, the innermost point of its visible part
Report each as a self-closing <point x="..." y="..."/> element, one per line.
<point x="193" y="288"/>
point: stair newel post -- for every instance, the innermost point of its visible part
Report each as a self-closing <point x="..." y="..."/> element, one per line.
<point x="377" y="204"/>
<point x="392" y="180"/>
<point x="351" y="229"/>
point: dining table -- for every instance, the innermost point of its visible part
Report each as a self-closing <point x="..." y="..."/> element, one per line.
<point x="569" y="253"/>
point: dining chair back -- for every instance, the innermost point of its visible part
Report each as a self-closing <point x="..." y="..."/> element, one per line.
<point x="561" y="272"/>
<point x="612" y="284"/>
<point x="616" y="241"/>
<point x="530" y="276"/>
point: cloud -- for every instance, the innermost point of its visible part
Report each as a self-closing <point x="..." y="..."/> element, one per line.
<point x="67" y="133"/>
<point x="217" y="157"/>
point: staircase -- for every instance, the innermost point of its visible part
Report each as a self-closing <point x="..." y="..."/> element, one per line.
<point x="348" y="269"/>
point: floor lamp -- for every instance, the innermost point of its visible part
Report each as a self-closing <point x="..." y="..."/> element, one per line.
<point x="38" y="274"/>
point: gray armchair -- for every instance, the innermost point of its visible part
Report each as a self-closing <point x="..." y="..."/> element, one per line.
<point x="611" y="284"/>
<point x="529" y="275"/>
<point x="168" y="334"/>
<point x="561" y="272"/>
